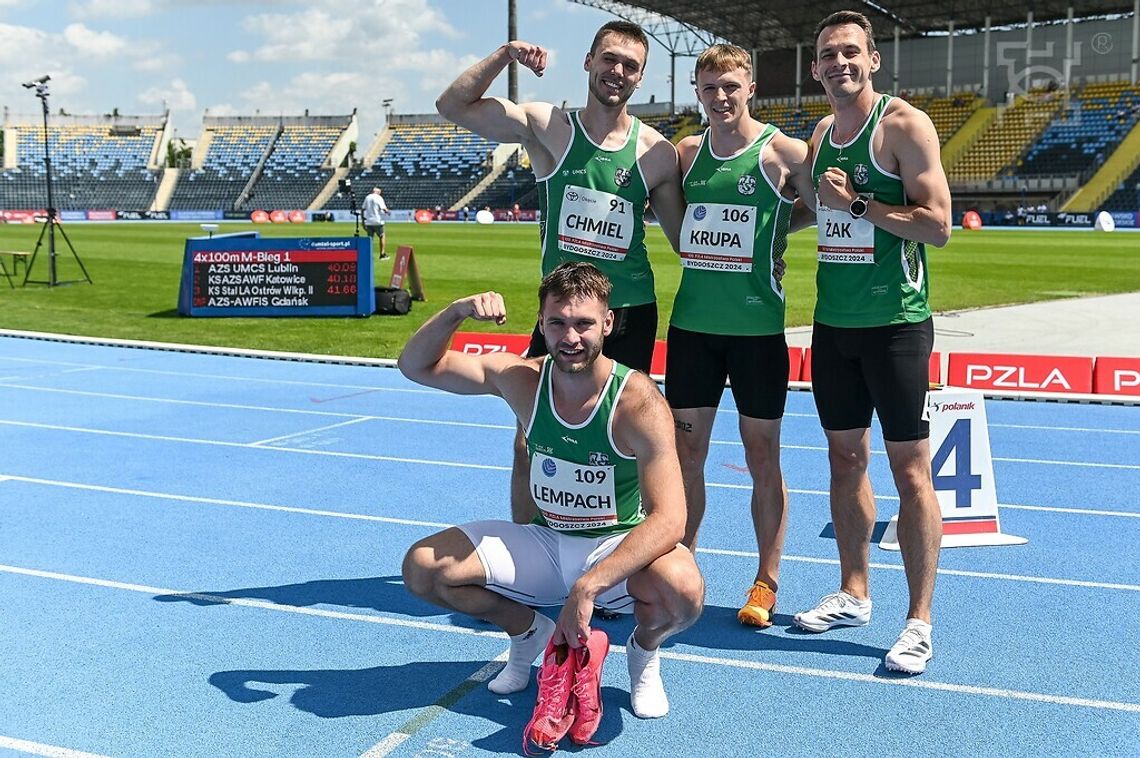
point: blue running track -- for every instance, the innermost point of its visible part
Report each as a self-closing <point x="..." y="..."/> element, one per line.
<point x="200" y="556"/>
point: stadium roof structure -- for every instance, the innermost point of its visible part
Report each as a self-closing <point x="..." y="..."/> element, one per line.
<point x="767" y="25"/>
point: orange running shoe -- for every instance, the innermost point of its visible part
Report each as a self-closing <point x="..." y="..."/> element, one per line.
<point x="760" y="607"/>
<point x="554" y="709"/>
<point x="588" y="686"/>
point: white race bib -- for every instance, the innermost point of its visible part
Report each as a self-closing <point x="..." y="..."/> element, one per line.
<point x="573" y="496"/>
<point x="595" y="224"/>
<point x="718" y="237"/>
<point x="843" y="239"/>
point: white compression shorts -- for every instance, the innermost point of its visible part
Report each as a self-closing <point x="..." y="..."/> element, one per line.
<point x="537" y="565"/>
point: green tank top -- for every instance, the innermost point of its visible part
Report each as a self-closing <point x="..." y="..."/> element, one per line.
<point x="592" y="207"/>
<point x="735" y="229"/>
<point x="866" y="276"/>
<point x="583" y="485"/>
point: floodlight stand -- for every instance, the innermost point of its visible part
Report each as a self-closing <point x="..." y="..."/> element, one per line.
<point x="52" y="222"/>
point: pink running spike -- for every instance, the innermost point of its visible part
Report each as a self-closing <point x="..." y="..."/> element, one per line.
<point x="554" y="709"/>
<point x="588" y="686"/>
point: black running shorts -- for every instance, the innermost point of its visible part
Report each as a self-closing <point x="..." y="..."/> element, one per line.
<point x="697" y="365"/>
<point x="630" y="343"/>
<point x="882" y="368"/>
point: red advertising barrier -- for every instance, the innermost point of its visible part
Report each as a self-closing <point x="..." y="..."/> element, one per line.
<point x="795" y="363"/>
<point x="259" y="217"/>
<point x="478" y="343"/>
<point x="1023" y="373"/>
<point x="100" y="215"/>
<point x="423" y="216"/>
<point x="279" y="217"/>
<point x="935" y="368"/>
<point x="22" y="217"/>
<point x="1116" y="376"/>
<point x="296" y="217"/>
<point x="657" y="362"/>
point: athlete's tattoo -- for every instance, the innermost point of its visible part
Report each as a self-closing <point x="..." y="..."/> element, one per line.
<point x="684" y="426"/>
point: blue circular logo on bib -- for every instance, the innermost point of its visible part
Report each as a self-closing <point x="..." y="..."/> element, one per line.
<point x="700" y="212"/>
<point x="549" y="467"/>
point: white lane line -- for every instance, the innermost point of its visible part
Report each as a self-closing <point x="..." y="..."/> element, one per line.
<point x="823" y="449"/>
<point x="1048" y="508"/>
<point x="232" y="378"/>
<point x="198" y="441"/>
<point x="439" y="525"/>
<point x="231" y="503"/>
<point x="252" y="603"/>
<point x="38" y="748"/>
<point x="430" y="713"/>
<point x="175" y="401"/>
<point x="709" y="660"/>
<point x="265" y="408"/>
<point x="991" y="424"/>
<point x="1048" y="462"/>
<point x="941" y="571"/>
<point x="1079" y="511"/>
<point x="415" y="390"/>
<point x="729" y="442"/>
<point x="1063" y="428"/>
<point x="248" y="446"/>
<point x="302" y="433"/>
<point x="925" y="684"/>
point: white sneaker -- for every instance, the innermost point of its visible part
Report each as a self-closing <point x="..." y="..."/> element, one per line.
<point x="913" y="649"/>
<point x="836" y="609"/>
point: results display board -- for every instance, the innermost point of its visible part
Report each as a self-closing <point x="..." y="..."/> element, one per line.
<point x="325" y="276"/>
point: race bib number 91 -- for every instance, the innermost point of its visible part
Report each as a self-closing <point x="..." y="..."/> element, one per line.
<point x="595" y="224"/>
<point x="573" y="495"/>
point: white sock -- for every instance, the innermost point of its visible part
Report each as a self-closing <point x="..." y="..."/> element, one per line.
<point x="525" y="648"/>
<point x="646" y="690"/>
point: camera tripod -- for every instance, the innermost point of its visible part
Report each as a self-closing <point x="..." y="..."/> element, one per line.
<point x="52" y="222"/>
<point x="345" y="187"/>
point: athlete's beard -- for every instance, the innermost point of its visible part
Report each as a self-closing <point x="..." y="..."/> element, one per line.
<point x="563" y="363"/>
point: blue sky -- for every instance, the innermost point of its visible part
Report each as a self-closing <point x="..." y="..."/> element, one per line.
<point x="238" y="57"/>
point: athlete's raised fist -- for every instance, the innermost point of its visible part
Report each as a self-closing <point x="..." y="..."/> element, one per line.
<point x="486" y="306"/>
<point x="531" y="56"/>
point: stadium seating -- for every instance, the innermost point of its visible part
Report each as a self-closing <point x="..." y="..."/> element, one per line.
<point x="1084" y="133"/>
<point x="292" y="175"/>
<point x="232" y="154"/>
<point x="1008" y="137"/>
<point x="1127" y="195"/>
<point x="422" y="166"/>
<point x="516" y="185"/>
<point x="949" y="113"/>
<point x="93" y="167"/>
<point x="792" y="121"/>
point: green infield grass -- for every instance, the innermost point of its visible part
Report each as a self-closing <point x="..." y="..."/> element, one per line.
<point x="136" y="268"/>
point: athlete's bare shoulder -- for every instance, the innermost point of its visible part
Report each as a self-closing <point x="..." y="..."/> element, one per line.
<point x="651" y="141"/>
<point x="820" y="130"/>
<point x="687" y="150"/>
<point x="902" y="118"/>
<point x="657" y="157"/>
<point x="518" y="383"/>
<point x="548" y="133"/>
<point x="642" y="410"/>
<point x="790" y="151"/>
